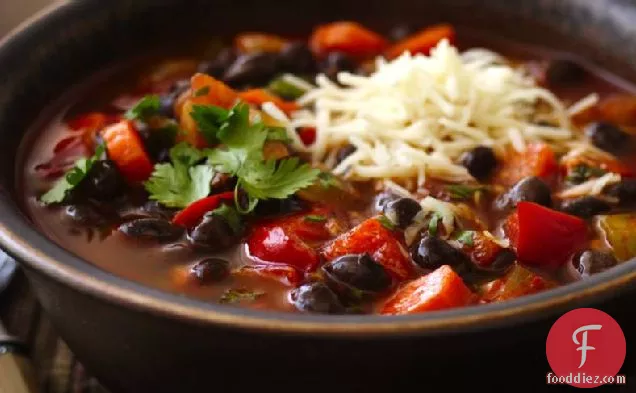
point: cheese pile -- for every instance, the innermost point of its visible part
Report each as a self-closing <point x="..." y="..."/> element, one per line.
<point x="415" y="116"/>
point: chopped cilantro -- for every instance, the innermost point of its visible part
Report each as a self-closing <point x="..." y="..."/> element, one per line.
<point x="466" y="238"/>
<point x="462" y="192"/>
<point x="241" y="155"/>
<point x="327" y="180"/>
<point x="315" y="218"/>
<point x="183" y="181"/>
<point x="278" y="134"/>
<point x="581" y="173"/>
<point x="239" y="295"/>
<point x="284" y="89"/>
<point x="202" y="91"/>
<point x="145" y="108"/>
<point x="433" y="224"/>
<point x="72" y="178"/>
<point x="384" y="220"/>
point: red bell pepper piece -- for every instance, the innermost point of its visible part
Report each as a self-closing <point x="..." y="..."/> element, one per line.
<point x="307" y="135"/>
<point x="483" y="250"/>
<point x="125" y="148"/>
<point x="542" y="236"/>
<point x="537" y="160"/>
<point x="289" y="240"/>
<point x="261" y="96"/>
<point x="438" y="290"/>
<point x="423" y="41"/>
<point x="375" y="239"/>
<point x="192" y="214"/>
<point x="347" y="37"/>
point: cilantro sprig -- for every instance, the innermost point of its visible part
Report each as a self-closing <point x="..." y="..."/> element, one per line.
<point x="72" y="178"/>
<point x="183" y="181"/>
<point x="144" y="108"/>
<point x="239" y="153"/>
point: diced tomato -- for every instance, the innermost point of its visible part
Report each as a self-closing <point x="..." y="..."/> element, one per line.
<point x="373" y="238"/>
<point x="518" y="282"/>
<point x="92" y="120"/>
<point x="423" y="41"/>
<point x="619" y="109"/>
<point x="126" y="149"/>
<point x="259" y="42"/>
<point x="537" y="160"/>
<point x="289" y="240"/>
<point x="285" y="274"/>
<point x="483" y="249"/>
<point x="347" y="37"/>
<point x="261" y="96"/>
<point x="307" y="135"/>
<point x="192" y="214"/>
<point x="441" y="289"/>
<point x="542" y="236"/>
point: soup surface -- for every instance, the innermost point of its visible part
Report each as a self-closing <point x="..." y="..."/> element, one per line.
<point x="346" y="173"/>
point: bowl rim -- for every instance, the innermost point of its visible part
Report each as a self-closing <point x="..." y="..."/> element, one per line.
<point x="29" y="246"/>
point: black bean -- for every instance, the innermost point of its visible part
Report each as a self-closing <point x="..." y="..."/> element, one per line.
<point x="530" y="189"/>
<point x="210" y="270"/>
<point x="382" y="199"/>
<point x="625" y="191"/>
<point x="401" y="32"/>
<point x="357" y="271"/>
<point x="157" y="210"/>
<point x="167" y="101"/>
<point x="252" y="69"/>
<point x="151" y="229"/>
<point x="480" y="162"/>
<point x="432" y="252"/>
<point x="504" y="259"/>
<point x="608" y="137"/>
<point x="219" y="65"/>
<point x="296" y="57"/>
<point x="402" y="211"/>
<point x="317" y="298"/>
<point x="585" y="207"/>
<point x="103" y="182"/>
<point x="214" y="232"/>
<point x="335" y="63"/>
<point x="345" y="152"/>
<point x="83" y="215"/>
<point x="593" y="261"/>
<point x="277" y="207"/>
<point x="563" y="72"/>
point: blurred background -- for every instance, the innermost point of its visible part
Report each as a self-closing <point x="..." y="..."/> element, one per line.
<point x="12" y="12"/>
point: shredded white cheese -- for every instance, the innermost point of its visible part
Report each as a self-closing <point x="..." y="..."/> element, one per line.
<point x="591" y="187"/>
<point x="414" y="116"/>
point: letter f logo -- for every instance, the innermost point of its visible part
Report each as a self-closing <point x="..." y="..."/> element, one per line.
<point x="583" y="344"/>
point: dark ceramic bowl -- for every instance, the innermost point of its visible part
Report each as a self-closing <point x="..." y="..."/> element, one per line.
<point x="136" y="339"/>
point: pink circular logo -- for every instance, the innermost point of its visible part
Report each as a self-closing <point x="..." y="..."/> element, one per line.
<point x="585" y="348"/>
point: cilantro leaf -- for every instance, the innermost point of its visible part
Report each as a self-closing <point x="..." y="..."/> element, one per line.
<point x="210" y="119"/>
<point x="277" y="134"/>
<point x="225" y="161"/>
<point x="239" y="295"/>
<point x="315" y="218"/>
<point x="462" y="192"/>
<point x="145" y="108"/>
<point x="182" y="182"/>
<point x="581" y="173"/>
<point x="466" y="238"/>
<point x="72" y="178"/>
<point x="202" y="91"/>
<point x="388" y="224"/>
<point x="265" y="180"/>
<point x="433" y="224"/>
<point x="284" y="89"/>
